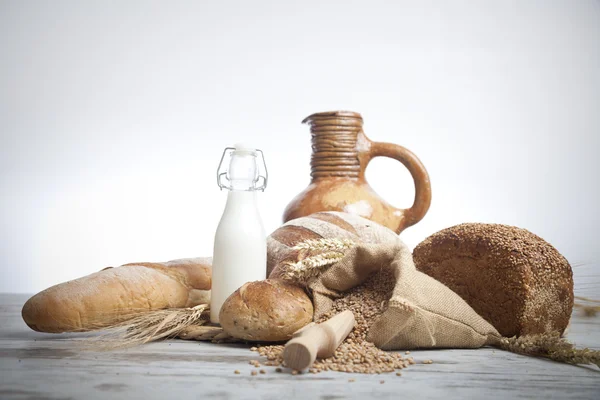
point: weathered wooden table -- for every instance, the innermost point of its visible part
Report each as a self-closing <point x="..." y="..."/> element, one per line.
<point x="44" y="366"/>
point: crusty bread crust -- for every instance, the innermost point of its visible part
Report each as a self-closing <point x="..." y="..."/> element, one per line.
<point x="113" y="294"/>
<point x="328" y="224"/>
<point x="269" y="310"/>
<point x="514" y="279"/>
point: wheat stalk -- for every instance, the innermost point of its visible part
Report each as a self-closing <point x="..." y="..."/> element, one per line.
<point x="552" y="346"/>
<point x="586" y="299"/>
<point x="323" y="245"/>
<point x="149" y="326"/>
<point x="200" y="332"/>
<point x="589" y="310"/>
<point x="315" y="256"/>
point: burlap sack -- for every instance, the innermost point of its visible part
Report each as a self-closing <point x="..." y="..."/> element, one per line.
<point x="422" y="312"/>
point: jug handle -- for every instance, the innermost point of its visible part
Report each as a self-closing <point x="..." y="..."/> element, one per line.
<point x="419" y="174"/>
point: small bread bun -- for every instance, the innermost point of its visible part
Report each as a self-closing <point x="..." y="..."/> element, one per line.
<point x="514" y="279"/>
<point x="269" y="310"/>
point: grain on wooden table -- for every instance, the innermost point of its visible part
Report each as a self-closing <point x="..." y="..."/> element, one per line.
<point x="366" y="301"/>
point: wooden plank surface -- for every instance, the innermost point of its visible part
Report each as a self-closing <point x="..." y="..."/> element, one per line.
<point x="45" y="366"/>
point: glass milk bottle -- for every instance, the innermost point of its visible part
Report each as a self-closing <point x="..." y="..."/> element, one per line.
<point x="240" y="250"/>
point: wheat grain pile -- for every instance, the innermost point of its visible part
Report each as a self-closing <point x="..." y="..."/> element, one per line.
<point x="367" y="301"/>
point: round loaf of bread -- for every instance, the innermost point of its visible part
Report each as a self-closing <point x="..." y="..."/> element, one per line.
<point x="514" y="279"/>
<point x="269" y="311"/>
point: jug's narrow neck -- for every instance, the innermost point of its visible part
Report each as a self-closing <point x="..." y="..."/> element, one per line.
<point x="334" y="144"/>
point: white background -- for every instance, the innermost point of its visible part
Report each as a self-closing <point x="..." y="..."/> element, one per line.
<point x="114" y="114"/>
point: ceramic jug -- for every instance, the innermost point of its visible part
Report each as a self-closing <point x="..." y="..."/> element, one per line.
<point x="340" y="154"/>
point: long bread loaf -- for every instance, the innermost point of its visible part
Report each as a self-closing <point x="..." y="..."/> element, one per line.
<point x="317" y="226"/>
<point x="106" y="297"/>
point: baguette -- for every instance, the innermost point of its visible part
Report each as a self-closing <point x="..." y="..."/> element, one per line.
<point x="113" y="294"/>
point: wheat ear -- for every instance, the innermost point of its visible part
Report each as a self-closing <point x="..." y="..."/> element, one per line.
<point x="315" y="256"/>
<point x="149" y="326"/>
<point x="324" y="245"/>
<point x="552" y="346"/>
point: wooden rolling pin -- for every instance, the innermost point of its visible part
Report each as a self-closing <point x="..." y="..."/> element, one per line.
<point x="317" y="340"/>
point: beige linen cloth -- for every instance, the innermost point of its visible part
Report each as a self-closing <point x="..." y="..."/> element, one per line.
<point x="422" y="312"/>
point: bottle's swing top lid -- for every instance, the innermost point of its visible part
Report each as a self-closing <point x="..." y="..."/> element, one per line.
<point x="240" y="169"/>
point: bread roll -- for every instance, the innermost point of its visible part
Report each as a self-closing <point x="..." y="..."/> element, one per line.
<point x="269" y="310"/>
<point x="317" y="226"/>
<point x="511" y="277"/>
<point x="108" y="296"/>
<point x="272" y="310"/>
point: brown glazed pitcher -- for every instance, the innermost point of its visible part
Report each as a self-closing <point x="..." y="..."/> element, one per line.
<point x="341" y="153"/>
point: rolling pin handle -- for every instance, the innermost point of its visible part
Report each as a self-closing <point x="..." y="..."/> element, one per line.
<point x="317" y="340"/>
